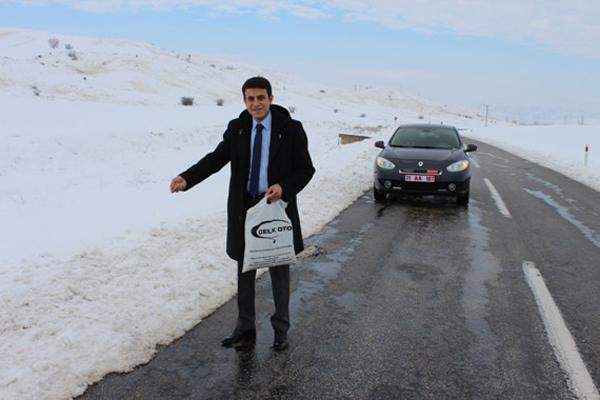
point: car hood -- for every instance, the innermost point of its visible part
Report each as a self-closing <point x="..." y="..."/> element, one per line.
<point x="404" y="153"/>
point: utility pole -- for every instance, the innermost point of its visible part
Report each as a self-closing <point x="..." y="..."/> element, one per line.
<point x="487" y="109"/>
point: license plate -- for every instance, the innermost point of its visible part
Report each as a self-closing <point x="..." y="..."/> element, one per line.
<point x="419" y="178"/>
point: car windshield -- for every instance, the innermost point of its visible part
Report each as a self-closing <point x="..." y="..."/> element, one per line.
<point x="426" y="138"/>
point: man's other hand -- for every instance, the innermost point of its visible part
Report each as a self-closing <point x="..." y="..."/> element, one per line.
<point x="178" y="184"/>
<point x="274" y="193"/>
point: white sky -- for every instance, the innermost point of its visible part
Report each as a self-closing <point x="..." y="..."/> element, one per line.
<point x="568" y="25"/>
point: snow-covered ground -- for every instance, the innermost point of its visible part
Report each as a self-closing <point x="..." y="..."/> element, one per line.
<point x="99" y="262"/>
<point x="559" y="147"/>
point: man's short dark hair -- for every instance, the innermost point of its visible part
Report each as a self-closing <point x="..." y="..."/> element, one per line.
<point x="257" y="82"/>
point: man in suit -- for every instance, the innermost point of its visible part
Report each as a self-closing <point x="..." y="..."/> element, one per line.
<point x="268" y="154"/>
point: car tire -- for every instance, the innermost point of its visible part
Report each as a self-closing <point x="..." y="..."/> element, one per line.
<point x="379" y="196"/>
<point x="463" y="199"/>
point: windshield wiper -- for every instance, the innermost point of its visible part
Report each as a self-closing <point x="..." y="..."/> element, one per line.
<point x="421" y="147"/>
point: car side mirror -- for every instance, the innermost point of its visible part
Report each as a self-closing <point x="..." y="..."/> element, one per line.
<point x="471" y="147"/>
<point x="379" y="144"/>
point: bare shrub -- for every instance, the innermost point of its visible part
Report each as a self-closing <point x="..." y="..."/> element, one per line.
<point x="363" y="115"/>
<point x="35" y="89"/>
<point x="292" y="109"/>
<point x="73" y="55"/>
<point x="187" y="101"/>
<point x="68" y="47"/>
<point x="53" y="43"/>
<point x="335" y="110"/>
<point x="220" y="102"/>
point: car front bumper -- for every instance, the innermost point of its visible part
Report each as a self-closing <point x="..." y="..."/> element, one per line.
<point x="446" y="184"/>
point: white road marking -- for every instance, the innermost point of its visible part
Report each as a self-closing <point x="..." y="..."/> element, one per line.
<point x="565" y="213"/>
<point x="496" y="196"/>
<point x="559" y="336"/>
<point x="475" y="163"/>
<point x="495" y="156"/>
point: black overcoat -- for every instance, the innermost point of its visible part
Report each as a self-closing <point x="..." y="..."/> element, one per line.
<point x="290" y="166"/>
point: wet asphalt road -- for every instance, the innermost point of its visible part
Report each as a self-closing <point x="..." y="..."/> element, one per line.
<point x="415" y="299"/>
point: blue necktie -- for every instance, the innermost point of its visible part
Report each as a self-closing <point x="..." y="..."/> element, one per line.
<point x="255" y="172"/>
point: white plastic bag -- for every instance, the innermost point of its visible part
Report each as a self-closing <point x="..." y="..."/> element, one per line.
<point x="269" y="236"/>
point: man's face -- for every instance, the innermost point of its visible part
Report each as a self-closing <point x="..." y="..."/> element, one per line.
<point x="257" y="102"/>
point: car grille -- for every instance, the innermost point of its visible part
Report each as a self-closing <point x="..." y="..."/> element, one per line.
<point x="421" y="171"/>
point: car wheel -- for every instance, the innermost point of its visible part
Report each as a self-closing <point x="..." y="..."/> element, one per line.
<point x="463" y="199"/>
<point x="379" y="196"/>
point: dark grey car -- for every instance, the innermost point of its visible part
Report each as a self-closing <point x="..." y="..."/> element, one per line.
<point x="424" y="159"/>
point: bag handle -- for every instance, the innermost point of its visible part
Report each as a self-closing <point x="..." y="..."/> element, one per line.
<point x="279" y="202"/>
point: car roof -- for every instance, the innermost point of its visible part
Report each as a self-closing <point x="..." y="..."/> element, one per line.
<point x="427" y="126"/>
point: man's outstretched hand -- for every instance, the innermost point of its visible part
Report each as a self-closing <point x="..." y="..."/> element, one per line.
<point x="274" y="193"/>
<point x="178" y="184"/>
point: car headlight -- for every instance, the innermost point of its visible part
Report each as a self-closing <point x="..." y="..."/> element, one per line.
<point x="458" y="166"/>
<point x="385" y="164"/>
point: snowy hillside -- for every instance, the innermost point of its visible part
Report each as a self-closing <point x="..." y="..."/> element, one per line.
<point x="116" y="72"/>
<point x="138" y="73"/>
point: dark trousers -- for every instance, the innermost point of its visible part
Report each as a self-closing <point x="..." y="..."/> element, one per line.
<point x="280" y="283"/>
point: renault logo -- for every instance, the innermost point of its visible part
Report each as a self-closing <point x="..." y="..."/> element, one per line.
<point x="420" y="163"/>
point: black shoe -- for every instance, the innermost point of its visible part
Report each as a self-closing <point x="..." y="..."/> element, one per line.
<point x="239" y="338"/>
<point x="281" y="342"/>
